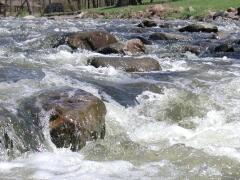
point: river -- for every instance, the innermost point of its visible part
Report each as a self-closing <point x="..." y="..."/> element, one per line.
<point x="179" y="123"/>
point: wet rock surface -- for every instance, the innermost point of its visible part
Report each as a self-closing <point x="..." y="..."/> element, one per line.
<point x="147" y="23"/>
<point x="168" y="36"/>
<point x="200" y="27"/>
<point x="76" y="116"/>
<point x="134" y="47"/>
<point x="116" y="48"/>
<point x="92" y="40"/>
<point x="129" y="64"/>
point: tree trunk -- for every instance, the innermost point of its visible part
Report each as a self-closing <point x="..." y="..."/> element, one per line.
<point x="70" y="5"/>
<point x="94" y="3"/>
<point x="5" y="9"/>
<point x="126" y="2"/>
<point x="79" y="4"/>
<point x="29" y="7"/>
<point x="10" y="4"/>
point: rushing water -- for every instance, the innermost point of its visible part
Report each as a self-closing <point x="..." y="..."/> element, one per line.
<point x="180" y="123"/>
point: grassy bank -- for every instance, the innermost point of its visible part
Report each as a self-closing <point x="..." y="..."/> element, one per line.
<point x="173" y="8"/>
<point x="201" y="7"/>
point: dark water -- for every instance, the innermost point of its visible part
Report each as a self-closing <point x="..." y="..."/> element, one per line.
<point x="179" y="123"/>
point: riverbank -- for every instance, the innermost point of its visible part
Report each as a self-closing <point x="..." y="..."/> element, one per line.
<point x="181" y="9"/>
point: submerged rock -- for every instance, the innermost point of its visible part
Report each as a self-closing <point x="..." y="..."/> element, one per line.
<point x="147" y="23"/>
<point x="92" y="40"/>
<point x="225" y="47"/>
<point x="143" y="39"/>
<point x="200" y="27"/>
<point x="191" y="48"/>
<point x="167" y="36"/>
<point x="76" y="116"/>
<point x="128" y="64"/>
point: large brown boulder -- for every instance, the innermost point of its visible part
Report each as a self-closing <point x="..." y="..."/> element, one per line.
<point x="76" y="116"/>
<point x="200" y="27"/>
<point x="167" y="36"/>
<point x="128" y="64"/>
<point x="92" y="40"/>
<point x="134" y="47"/>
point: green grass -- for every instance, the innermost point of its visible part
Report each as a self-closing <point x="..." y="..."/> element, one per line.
<point x="125" y="11"/>
<point x="201" y="8"/>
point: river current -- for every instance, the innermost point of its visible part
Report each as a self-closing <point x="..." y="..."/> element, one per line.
<point x="179" y="123"/>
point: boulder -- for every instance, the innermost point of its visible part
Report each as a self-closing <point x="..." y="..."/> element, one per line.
<point x="134" y="47"/>
<point x="128" y="64"/>
<point x="76" y="116"/>
<point x="168" y="36"/>
<point x="200" y="27"/>
<point x="92" y="40"/>
<point x="147" y="23"/>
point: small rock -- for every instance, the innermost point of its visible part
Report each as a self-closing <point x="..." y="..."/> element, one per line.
<point x="166" y="25"/>
<point x="238" y="11"/>
<point x="193" y="49"/>
<point x="231" y="9"/>
<point x="156" y="10"/>
<point x="128" y="64"/>
<point x="29" y="17"/>
<point x="134" y="47"/>
<point x="116" y="48"/>
<point x="219" y="14"/>
<point x="224" y="48"/>
<point x="221" y="35"/>
<point x="167" y="36"/>
<point x="232" y="15"/>
<point x="200" y="27"/>
<point x="147" y="23"/>
<point x="81" y="15"/>
<point x="144" y="40"/>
